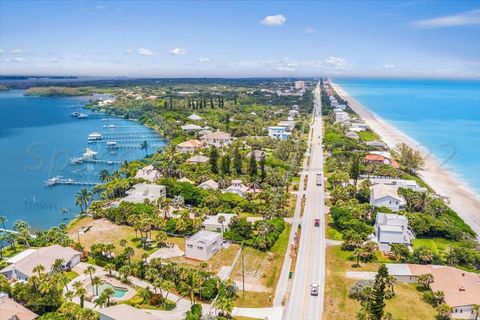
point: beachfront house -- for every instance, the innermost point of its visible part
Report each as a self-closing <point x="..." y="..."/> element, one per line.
<point x="211" y="223"/>
<point x="11" y="310"/>
<point x="461" y="288"/>
<point x="392" y="228"/>
<point x="279" y="133"/>
<point x="352" y="135"/>
<point x="148" y="173"/>
<point x="203" y="245"/>
<point x="377" y="144"/>
<point x="383" y="195"/>
<point x="20" y="267"/>
<point x="145" y="191"/>
<point x="399" y="183"/>
<point x="218" y="139"/>
<point x="209" y="185"/>
<point x="189" y="146"/>
<point x="341" y="116"/>
<point x="125" y="312"/>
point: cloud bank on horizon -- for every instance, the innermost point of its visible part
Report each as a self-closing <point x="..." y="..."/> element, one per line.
<point x="381" y="39"/>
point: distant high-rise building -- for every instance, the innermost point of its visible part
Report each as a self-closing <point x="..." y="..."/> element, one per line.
<point x="299" y="85"/>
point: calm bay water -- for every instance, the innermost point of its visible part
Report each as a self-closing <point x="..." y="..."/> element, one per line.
<point x="38" y="137"/>
<point x="442" y="115"/>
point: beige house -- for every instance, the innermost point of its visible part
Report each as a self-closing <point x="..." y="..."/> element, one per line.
<point x="237" y="187"/>
<point x="198" y="159"/>
<point x="125" y="312"/>
<point x="209" y="185"/>
<point x="148" y="173"/>
<point x="211" y="222"/>
<point x="11" y="310"/>
<point x="189" y="146"/>
<point x="20" y="267"/>
<point x="461" y="288"/>
<point x="218" y="139"/>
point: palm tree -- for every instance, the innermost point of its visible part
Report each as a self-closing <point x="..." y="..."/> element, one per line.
<point x="125" y="272"/>
<point x="144" y="146"/>
<point x="82" y="199"/>
<point x="167" y="286"/>
<point x="224" y="304"/>
<point x="191" y="285"/>
<point x="105" y="176"/>
<point x="80" y="291"/>
<point x="108" y="294"/>
<point x="221" y="220"/>
<point x="90" y="270"/>
<point x="109" y="267"/>
<point x="3" y="220"/>
<point x="129" y="253"/>
<point x="97" y="281"/>
<point x="38" y="270"/>
<point x="58" y="265"/>
<point x="425" y="280"/>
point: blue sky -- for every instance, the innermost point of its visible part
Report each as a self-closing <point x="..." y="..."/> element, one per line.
<point x="433" y="39"/>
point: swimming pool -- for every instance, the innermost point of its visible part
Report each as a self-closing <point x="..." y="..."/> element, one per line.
<point x="119" y="291"/>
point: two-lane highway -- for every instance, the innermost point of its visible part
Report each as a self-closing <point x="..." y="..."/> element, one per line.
<point x="310" y="267"/>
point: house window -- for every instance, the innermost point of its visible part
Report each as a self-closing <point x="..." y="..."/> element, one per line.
<point x="190" y="245"/>
<point x="199" y="248"/>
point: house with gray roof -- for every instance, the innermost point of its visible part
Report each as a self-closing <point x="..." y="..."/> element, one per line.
<point x="390" y="229"/>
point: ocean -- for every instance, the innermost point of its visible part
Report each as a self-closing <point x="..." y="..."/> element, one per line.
<point x="38" y="138"/>
<point x="442" y="115"/>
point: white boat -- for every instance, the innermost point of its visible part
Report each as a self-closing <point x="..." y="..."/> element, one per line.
<point x="89" y="154"/>
<point x="82" y="116"/>
<point x="53" y="181"/>
<point x="94" y="136"/>
<point x="111" y="126"/>
<point x="75" y="114"/>
<point x="112" y="144"/>
<point x="76" y="160"/>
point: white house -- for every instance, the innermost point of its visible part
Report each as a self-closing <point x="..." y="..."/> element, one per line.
<point x="189" y="146"/>
<point x="11" y="310"/>
<point x="237" y="187"/>
<point x="352" y="135"/>
<point x="341" y="116"/>
<point x="342" y="106"/>
<point x="211" y="222"/>
<point x="148" y="173"/>
<point x="125" y="312"/>
<point x="279" y="133"/>
<point x="377" y="144"/>
<point x="20" y="267"/>
<point x="461" y="288"/>
<point x="203" y="245"/>
<point x="383" y="195"/>
<point x="392" y="228"/>
<point x="399" y="183"/>
<point x="143" y="191"/>
<point x="209" y="185"/>
<point x="287" y="124"/>
<point x="218" y="139"/>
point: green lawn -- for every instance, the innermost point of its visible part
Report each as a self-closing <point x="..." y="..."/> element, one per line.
<point x="332" y="233"/>
<point x="407" y="304"/>
<point x="437" y="245"/>
<point x="367" y="135"/>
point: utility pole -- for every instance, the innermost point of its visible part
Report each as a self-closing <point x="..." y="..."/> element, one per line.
<point x="243" y="275"/>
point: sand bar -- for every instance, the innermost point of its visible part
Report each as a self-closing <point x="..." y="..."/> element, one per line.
<point x="444" y="182"/>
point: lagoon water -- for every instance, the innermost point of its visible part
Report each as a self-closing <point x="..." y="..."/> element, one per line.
<point x="38" y="137"/>
<point x="442" y="115"/>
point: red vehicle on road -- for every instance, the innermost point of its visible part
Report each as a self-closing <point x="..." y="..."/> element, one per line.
<point x="316" y="222"/>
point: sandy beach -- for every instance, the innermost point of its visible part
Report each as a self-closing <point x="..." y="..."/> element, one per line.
<point x="444" y="182"/>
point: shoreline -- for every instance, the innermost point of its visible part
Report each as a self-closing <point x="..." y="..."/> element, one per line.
<point x="441" y="179"/>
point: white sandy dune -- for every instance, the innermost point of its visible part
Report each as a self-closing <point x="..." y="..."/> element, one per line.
<point x="463" y="200"/>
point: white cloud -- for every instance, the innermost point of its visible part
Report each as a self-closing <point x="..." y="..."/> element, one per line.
<point x="178" y="51"/>
<point x="389" y="66"/>
<point x="274" y="21"/>
<point x="1" y="51"/>
<point x="17" y="51"/>
<point x="461" y="19"/>
<point x="285" y="69"/>
<point x="146" y="52"/>
<point x="204" y="60"/>
<point x="309" y="30"/>
<point x="336" y="63"/>
<point x="16" y="59"/>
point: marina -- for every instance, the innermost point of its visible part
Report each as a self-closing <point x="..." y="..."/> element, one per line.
<point x="48" y="141"/>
